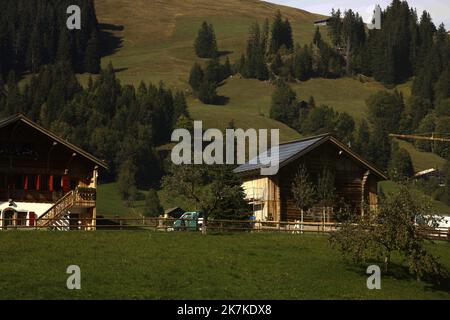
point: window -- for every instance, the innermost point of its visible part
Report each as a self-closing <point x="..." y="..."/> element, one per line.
<point x="45" y="183"/>
<point x="8" y="218"/>
<point x="57" y="183"/>
<point x="21" y="219"/>
<point x="31" y="182"/>
<point x="19" y="182"/>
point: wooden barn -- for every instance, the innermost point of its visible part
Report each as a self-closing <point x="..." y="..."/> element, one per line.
<point x="355" y="179"/>
<point x="45" y="181"/>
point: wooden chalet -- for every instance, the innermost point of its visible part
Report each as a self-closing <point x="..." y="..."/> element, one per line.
<point x="356" y="179"/>
<point x="45" y="181"/>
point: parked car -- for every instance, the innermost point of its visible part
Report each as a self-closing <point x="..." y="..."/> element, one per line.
<point x="189" y="221"/>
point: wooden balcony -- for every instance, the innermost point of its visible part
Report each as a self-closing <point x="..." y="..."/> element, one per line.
<point x="85" y="197"/>
<point x="78" y="198"/>
<point x="30" y="196"/>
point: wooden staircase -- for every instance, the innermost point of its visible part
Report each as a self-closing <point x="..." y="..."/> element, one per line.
<point x="57" y="216"/>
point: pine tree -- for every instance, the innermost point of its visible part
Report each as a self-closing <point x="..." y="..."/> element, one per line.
<point x="254" y="64"/>
<point x="281" y="34"/>
<point x="65" y="48"/>
<point x="277" y="64"/>
<point x="442" y="87"/>
<point x="335" y="27"/>
<point x="303" y="64"/>
<point x="92" y="55"/>
<point x="213" y="72"/>
<point x="33" y="34"/>
<point x="379" y="148"/>
<point x="233" y="206"/>
<point x="227" y="70"/>
<point x="311" y="102"/>
<point x="14" y="101"/>
<point x="288" y="40"/>
<point x="283" y="101"/>
<point x="126" y="182"/>
<point x="317" y="40"/>
<point x="265" y="37"/>
<point x="427" y="125"/>
<point x="353" y="38"/>
<point x="180" y="106"/>
<point x="153" y="206"/>
<point x="207" y="92"/>
<point x="385" y="110"/>
<point x="361" y="139"/>
<point x="400" y="166"/>
<point x="196" y="77"/>
<point x="35" y="51"/>
<point x="205" y="44"/>
<point x="426" y="31"/>
<point x="442" y="148"/>
<point x="344" y="127"/>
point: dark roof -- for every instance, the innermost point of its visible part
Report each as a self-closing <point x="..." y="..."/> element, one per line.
<point x="286" y="151"/>
<point x="20" y="117"/>
<point x="291" y="151"/>
<point x="170" y="210"/>
<point x="322" y="21"/>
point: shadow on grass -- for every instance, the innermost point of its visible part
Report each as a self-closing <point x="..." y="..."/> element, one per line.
<point x="400" y="272"/>
<point x="117" y="70"/>
<point x="218" y="101"/>
<point x="222" y="100"/>
<point x="110" y="42"/>
<point x="223" y="53"/>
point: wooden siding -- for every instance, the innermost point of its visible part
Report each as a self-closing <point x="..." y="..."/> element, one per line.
<point x="349" y="180"/>
<point x="24" y="151"/>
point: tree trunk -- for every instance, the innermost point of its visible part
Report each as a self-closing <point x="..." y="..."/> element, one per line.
<point x="387" y="259"/>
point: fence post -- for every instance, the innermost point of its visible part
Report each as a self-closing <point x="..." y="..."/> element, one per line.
<point x="323" y="218"/>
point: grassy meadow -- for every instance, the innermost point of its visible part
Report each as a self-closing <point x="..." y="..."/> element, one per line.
<point x="145" y="265"/>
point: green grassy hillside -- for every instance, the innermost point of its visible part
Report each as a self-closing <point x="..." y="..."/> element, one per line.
<point x="109" y="203"/>
<point x="156" y="44"/>
<point x="157" y="36"/>
<point x="422" y="160"/>
<point x="389" y="187"/>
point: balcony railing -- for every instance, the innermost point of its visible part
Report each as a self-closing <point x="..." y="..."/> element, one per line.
<point x="31" y="196"/>
<point x="85" y="197"/>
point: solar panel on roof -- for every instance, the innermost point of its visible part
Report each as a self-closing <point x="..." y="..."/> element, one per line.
<point x="286" y="151"/>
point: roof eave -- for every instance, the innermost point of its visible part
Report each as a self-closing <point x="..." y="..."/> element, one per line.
<point x="23" y="118"/>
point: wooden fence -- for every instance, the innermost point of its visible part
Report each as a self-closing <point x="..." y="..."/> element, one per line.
<point x="213" y="226"/>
